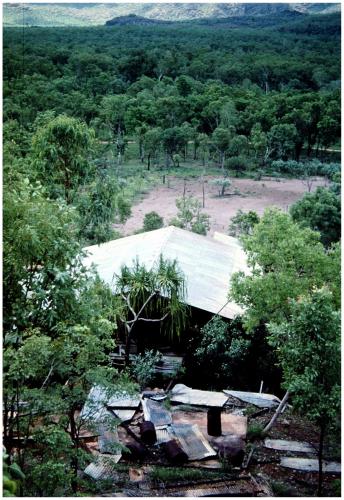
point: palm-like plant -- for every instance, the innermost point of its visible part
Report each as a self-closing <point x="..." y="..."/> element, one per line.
<point x="152" y="295"/>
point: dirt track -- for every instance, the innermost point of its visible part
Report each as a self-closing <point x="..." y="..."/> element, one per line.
<point x="252" y="195"/>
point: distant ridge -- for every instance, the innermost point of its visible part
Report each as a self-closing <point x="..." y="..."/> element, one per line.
<point x="133" y="19"/>
<point x="88" y="14"/>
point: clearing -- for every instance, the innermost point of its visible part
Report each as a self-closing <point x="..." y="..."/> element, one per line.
<point x="244" y="194"/>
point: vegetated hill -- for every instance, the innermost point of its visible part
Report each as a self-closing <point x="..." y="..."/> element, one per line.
<point x="88" y="14"/>
<point x="133" y="19"/>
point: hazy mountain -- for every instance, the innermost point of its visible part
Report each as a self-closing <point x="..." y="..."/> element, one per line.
<point x="87" y="14"/>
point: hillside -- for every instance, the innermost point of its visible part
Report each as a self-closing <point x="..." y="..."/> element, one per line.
<point x="97" y="14"/>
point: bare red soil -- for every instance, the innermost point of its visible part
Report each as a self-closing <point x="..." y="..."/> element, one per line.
<point x="244" y="194"/>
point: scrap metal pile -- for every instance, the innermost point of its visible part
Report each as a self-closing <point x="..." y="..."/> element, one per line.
<point x="185" y="427"/>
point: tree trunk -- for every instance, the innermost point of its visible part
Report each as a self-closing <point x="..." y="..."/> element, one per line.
<point x="127" y="347"/>
<point x="320" y="458"/>
<point x="277" y="413"/>
<point x="222" y="161"/>
<point x="74" y="460"/>
<point x="148" y="161"/>
<point x="195" y="151"/>
<point x="142" y="152"/>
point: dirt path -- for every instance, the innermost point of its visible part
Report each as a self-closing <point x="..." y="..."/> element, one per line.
<point x="252" y="195"/>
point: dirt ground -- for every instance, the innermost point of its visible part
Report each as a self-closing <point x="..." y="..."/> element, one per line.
<point x="244" y="194"/>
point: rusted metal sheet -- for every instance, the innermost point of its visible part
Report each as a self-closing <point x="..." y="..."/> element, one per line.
<point x="231" y="424"/>
<point x="284" y="445"/>
<point x="310" y="465"/>
<point x="155" y="412"/>
<point x="184" y="394"/>
<point x="261" y="400"/>
<point x="192" y="441"/>
<point x="103" y="467"/>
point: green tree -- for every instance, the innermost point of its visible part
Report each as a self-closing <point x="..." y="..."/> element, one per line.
<point x="113" y="112"/>
<point x="59" y="323"/>
<point x="221" y="349"/>
<point x="60" y="152"/>
<point x="152" y="143"/>
<point x="286" y="262"/>
<point x="153" y="295"/>
<point x="258" y="141"/>
<point x="221" y="139"/>
<point x="281" y="141"/>
<point x="321" y="211"/>
<point x="173" y="141"/>
<point x="308" y="348"/>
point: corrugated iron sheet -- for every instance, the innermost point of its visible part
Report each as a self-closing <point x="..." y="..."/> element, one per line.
<point x="123" y="415"/>
<point x="255" y="398"/>
<point x="192" y="441"/>
<point x="108" y="440"/>
<point x="103" y="467"/>
<point x="184" y="394"/>
<point x="155" y="412"/>
<point x="162" y="435"/>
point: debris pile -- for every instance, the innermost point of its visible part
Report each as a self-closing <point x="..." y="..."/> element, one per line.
<point x="187" y="428"/>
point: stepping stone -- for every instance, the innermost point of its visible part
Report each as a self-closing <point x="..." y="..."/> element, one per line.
<point x="310" y="465"/>
<point x="283" y="445"/>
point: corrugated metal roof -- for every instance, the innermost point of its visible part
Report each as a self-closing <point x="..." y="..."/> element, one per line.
<point x="207" y="264"/>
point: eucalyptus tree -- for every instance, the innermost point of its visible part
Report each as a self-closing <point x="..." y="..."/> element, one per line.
<point x="61" y="149"/>
<point x="309" y="351"/>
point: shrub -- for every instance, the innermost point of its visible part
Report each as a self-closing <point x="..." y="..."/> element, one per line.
<point x="222" y="348"/>
<point x="221" y="184"/>
<point x="143" y="366"/>
<point x="243" y="223"/>
<point x="190" y="217"/>
<point x="151" y="221"/>
<point x="237" y="163"/>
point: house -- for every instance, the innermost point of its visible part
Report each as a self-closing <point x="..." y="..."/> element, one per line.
<point x="208" y="264"/>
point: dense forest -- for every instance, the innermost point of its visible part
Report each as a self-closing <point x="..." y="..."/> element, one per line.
<point x="93" y="117"/>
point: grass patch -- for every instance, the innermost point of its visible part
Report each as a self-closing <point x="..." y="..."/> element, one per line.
<point x="281" y="489"/>
<point x="254" y="431"/>
<point x="180" y="474"/>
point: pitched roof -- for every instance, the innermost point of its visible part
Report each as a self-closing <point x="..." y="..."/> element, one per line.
<point x="207" y="264"/>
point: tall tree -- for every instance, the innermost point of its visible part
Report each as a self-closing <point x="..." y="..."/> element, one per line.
<point x="60" y="152"/>
<point x="321" y="211"/>
<point x="308" y="348"/>
<point x="286" y="262"/>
